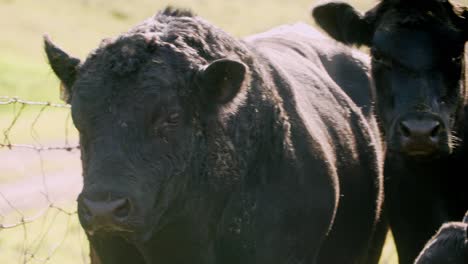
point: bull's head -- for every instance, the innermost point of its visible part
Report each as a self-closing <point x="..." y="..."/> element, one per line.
<point x="151" y="137"/>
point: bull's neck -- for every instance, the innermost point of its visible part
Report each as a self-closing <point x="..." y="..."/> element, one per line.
<point x="239" y="152"/>
<point x="259" y="132"/>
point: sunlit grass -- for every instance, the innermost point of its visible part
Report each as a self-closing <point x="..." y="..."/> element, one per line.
<point x="55" y="237"/>
<point x="36" y="124"/>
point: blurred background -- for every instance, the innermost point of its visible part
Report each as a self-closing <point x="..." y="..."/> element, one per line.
<point x="40" y="173"/>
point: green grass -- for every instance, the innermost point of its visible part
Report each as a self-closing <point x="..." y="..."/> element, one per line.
<point x="79" y="25"/>
<point x="55" y="237"/>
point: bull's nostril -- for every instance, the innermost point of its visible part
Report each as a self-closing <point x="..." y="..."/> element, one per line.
<point x="405" y="130"/>
<point x="105" y="214"/>
<point x="123" y="209"/>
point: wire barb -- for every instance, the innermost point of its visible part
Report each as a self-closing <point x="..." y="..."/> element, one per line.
<point x="36" y="246"/>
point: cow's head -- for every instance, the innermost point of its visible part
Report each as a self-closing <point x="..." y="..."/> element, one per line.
<point x="417" y="49"/>
<point x="449" y="245"/>
<point x="149" y="110"/>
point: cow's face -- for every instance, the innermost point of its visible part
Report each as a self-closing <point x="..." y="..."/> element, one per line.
<point x="417" y="72"/>
<point x="417" y="50"/>
<point x="143" y="113"/>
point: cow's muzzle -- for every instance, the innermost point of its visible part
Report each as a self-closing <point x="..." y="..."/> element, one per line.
<point x="112" y="215"/>
<point x="421" y="134"/>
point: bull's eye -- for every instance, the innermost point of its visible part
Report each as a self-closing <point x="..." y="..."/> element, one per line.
<point x="163" y="126"/>
<point x="173" y="119"/>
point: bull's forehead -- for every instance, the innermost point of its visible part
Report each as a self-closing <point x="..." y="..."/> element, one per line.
<point x="123" y="55"/>
<point x="127" y="67"/>
<point x="153" y="81"/>
<point x="99" y="93"/>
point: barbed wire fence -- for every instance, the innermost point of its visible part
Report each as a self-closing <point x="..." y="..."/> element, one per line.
<point x="33" y="231"/>
<point x="33" y="248"/>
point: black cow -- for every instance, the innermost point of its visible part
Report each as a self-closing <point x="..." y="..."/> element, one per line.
<point x="200" y="148"/>
<point x="418" y="68"/>
<point x="448" y="246"/>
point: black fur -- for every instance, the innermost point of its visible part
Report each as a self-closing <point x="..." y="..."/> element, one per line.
<point x="63" y="66"/>
<point x="448" y="246"/>
<point x="341" y="20"/>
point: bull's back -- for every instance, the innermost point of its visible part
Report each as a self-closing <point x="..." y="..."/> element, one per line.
<point x="337" y="129"/>
<point x="309" y="92"/>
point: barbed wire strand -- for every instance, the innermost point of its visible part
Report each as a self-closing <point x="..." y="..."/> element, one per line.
<point x="31" y="251"/>
<point x="31" y="248"/>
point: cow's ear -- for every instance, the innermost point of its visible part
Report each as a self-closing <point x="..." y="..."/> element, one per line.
<point x="459" y="16"/>
<point x="221" y="81"/>
<point x="464" y="21"/>
<point x="64" y="66"/>
<point x="465" y="219"/>
<point x="343" y="23"/>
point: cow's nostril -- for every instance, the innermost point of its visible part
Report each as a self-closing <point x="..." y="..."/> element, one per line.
<point x="405" y="129"/>
<point x="123" y="209"/>
<point x="112" y="212"/>
<point x="436" y="130"/>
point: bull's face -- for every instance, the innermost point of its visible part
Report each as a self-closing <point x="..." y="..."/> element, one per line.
<point x="417" y="50"/>
<point x="143" y="115"/>
<point x="137" y="144"/>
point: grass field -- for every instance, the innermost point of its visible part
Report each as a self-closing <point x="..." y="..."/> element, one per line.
<point x="78" y="26"/>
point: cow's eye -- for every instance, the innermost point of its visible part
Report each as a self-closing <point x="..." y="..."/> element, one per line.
<point x="173" y="119"/>
<point x="169" y="121"/>
<point x="456" y="60"/>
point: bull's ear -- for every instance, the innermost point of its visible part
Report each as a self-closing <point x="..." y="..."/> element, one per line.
<point x="343" y="23"/>
<point x="221" y="81"/>
<point x="63" y="65"/>
<point x="465" y="219"/>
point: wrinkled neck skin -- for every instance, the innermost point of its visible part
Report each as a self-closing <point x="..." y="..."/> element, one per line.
<point x="230" y="159"/>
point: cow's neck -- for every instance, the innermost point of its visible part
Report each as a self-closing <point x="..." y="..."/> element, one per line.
<point x="461" y="121"/>
<point x="185" y="240"/>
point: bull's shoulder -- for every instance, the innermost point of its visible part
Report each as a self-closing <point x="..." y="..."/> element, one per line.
<point x="347" y="67"/>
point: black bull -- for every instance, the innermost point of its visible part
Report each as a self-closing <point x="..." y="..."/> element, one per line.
<point x="200" y="148"/>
